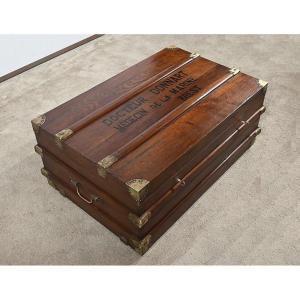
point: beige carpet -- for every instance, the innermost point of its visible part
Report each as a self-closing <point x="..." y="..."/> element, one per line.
<point x="250" y="216"/>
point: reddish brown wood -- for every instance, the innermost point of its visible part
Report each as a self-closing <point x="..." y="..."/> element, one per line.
<point x="174" y="214"/>
<point x="169" y="119"/>
<point x="136" y="90"/>
<point x="165" y="121"/>
<point x="115" y="210"/>
<point x="200" y="189"/>
<point x="143" y="149"/>
<point x="104" y="93"/>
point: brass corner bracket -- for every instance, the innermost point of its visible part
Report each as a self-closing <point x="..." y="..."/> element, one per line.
<point x="194" y="55"/>
<point x="38" y="122"/>
<point x="139" y="221"/>
<point x="137" y="189"/>
<point x="62" y="135"/>
<point x="263" y="84"/>
<point x="141" y="247"/>
<point x="38" y="150"/>
<point x="105" y="163"/>
<point x="234" y="71"/>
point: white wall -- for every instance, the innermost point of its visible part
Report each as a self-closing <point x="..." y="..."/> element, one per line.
<point x="19" y="50"/>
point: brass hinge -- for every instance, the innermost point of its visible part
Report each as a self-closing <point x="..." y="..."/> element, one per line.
<point x="38" y="122"/>
<point x="139" y="221"/>
<point x="137" y="189"/>
<point x="141" y="247"/>
<point x="62" y="135"/>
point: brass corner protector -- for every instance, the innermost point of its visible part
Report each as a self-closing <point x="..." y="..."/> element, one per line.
<point x="141" y="247"/>
<point x="38" y="122"/>
<point x="137" y="189"/>
<point x="62" y="135"/>
<point x="194" y="55"/>
<point x="44" y="172"/>
<point x="263" y="84"/>
<point x="105" y="163"/>
<point x="38" y="150"/>
<point x="139" y="221"/>
<point x="234" y="71"/>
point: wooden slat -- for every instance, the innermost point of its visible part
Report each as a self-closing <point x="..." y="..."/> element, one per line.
<point x="84" y="122"/>
<point x="165" y="121"/>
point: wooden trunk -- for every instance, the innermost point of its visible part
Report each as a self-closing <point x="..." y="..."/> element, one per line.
<point x="138" y="149"/>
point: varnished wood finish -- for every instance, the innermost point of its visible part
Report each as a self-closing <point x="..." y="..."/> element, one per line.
<point x="108" y="91"/>
<point x="143" y="145"/>
<point x="168" y="129"/>
<point x="115" y="210"/>
<point x="201" y="188"/>
<point x="136" y="90"/>
<point x="174" y="214"/>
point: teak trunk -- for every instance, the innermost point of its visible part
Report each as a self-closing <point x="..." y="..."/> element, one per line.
<point x="137" y="150"/>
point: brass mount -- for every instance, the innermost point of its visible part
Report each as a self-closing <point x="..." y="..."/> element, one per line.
<point x="62" y="135"/>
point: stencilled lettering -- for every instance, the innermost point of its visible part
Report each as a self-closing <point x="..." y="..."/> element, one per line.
<point x="179" y="86"/>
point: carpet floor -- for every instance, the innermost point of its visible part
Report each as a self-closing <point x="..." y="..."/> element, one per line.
<point x="250" y="216"/>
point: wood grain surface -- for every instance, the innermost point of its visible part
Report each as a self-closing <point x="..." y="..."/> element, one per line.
<point x="154" y="118"/>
